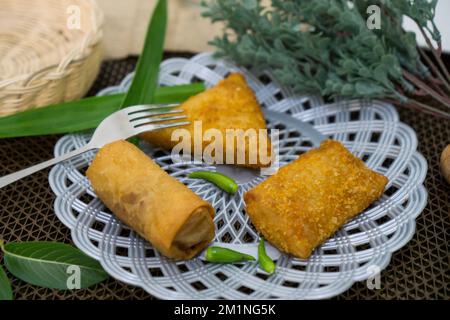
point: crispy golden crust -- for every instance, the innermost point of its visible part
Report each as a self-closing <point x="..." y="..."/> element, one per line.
<point x="157" y="206"/>
<point x="231" y="104"/>
<point x="308" y="200"/>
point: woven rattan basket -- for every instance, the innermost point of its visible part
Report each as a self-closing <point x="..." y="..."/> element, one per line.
<point x="49" y="51"/>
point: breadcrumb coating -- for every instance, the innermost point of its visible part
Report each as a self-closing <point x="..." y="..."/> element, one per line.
<point x="230" y="104"/>
<point x="308" y="200"/>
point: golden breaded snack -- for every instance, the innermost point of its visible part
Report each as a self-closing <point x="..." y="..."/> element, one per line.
<point x="308" y="200"/>
<point x="176" y="221"/>
<point x="231" y="104"/>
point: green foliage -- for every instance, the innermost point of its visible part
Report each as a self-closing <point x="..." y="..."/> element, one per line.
<point x="421" y="11"/>
<point x="142" y="90"/>
<point x="47" y="264"/>
<point x="145" y="79"/>
<point x="5" y="286"/>
<point x="83" y="114"/>
<point x="325" y="46"/>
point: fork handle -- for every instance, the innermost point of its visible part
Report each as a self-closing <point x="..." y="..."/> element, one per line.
<point x="10" y="178"/>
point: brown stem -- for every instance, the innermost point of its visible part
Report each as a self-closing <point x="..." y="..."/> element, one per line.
<point x="421" y="107"/>
<point x="419" y="93"/>
<point x="435" y="53"/>
<point x="435" y="85"/>
<point x="420" y="84"/>
<point x="415" y="92"/>
<point x="400" y="90"/>
<point x="434" y="68"/>
<point x="428" y="109"/>
<point x="434" y="81"/>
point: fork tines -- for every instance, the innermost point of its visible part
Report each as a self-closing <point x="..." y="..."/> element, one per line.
<point x="143" y="115"/>
<point x="148" y="107"/>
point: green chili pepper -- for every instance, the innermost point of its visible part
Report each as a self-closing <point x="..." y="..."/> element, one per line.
<point x="265" y="262"/>
<point x="222" y="181"/>
<point x="225" y="255"/>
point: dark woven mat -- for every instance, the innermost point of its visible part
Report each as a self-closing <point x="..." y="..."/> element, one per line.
<point x="420" y="270"/>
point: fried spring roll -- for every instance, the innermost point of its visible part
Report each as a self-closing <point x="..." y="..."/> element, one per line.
<point x="231" y="104"/>
<point x="157" y="206"/>
<point x="308" y="200"/>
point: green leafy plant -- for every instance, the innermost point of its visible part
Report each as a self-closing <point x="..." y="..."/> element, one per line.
<point x="325" y="47"/>
<point x="5" y="286"/>
<point x="47" y="264"/>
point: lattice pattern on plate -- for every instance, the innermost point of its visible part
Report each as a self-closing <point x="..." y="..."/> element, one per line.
<point x="371" y="130"/>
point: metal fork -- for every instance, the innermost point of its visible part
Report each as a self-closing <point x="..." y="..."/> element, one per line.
<point x="123" y="124"/>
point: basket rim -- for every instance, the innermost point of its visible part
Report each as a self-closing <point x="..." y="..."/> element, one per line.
<point x="79" y="53"/>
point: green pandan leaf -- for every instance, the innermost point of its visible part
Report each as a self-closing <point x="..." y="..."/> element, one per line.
<point x="83" y="114"/>
<point x="52" y="265"/>
<point x="145" y="79"/>
<point x="5" y="286"/>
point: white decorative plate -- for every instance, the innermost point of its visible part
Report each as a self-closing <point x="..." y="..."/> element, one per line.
<point x="363" y="247"/>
